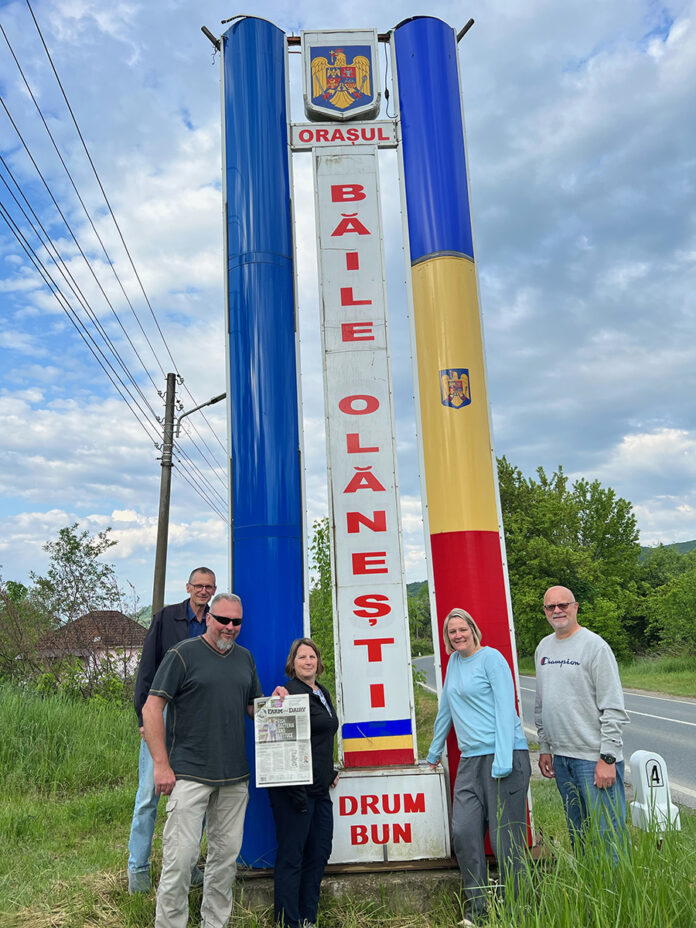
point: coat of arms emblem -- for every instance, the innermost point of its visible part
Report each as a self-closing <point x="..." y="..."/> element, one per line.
<point x="340" y="77"/>
<point x="455" y="390"/>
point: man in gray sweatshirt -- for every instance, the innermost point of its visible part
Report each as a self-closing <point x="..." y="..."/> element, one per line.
<point x="579" y="716"/>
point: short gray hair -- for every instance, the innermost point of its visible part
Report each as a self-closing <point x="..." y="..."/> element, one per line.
<point x="230" y="597"/>
<point x="201" y="570"/>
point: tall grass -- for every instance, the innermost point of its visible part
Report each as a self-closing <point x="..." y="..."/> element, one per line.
<point x="673" y="675"/>
<point x="55" y="745"/>
<point x="647" y="884"/>
<point x="67" y="780"/>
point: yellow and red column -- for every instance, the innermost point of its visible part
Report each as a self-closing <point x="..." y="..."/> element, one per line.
<point x="460" y="498"/>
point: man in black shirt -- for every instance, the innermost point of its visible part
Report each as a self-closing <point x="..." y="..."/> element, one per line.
<point x="209" y="685"/>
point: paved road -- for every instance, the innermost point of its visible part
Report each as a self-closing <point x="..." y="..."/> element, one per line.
<point x="426" y="665"/>
<point x="658" y="723"/>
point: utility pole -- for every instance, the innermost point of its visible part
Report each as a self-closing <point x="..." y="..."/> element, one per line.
<point x="165" y="494"/>
<point x="166" y="485"/>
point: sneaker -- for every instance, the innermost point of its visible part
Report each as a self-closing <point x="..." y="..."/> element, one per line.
<point x="196" y="876"/>
<point x="306" y="924"/>
<point x="139" y="881"/>
<point x="471" y="921"/>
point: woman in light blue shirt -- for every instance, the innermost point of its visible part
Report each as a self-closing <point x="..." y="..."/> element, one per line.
<point x="490" y="790"/>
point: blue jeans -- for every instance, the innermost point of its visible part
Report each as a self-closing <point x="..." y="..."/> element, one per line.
<point x="144" y="813"/>
<point x="585" y="805"/>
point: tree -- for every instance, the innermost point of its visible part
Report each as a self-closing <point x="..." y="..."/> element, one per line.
<point x="22" y="628"/>
<point x="321" y="601"/>
<point x="77" y="582"/>
<point x="671" y="608"/>
<point x="420" y="629"/>
<point x="583" y="537"/>
<point x="643" y="622"/>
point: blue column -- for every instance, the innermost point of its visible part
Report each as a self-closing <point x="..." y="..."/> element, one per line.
<point x="265" y="463"/>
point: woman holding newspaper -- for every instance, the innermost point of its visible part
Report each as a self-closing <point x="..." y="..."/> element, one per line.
<point x="303" y="815"/>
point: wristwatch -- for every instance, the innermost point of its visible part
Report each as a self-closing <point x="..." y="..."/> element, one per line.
<point x="608" y="758"/>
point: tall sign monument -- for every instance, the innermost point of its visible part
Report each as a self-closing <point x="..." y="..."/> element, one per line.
<point x="387" y="806"/>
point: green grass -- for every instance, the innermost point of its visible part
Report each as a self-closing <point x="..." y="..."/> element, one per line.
<point x="648" y="886"/>
<point x="426" y="710"/>
<point x="675" y="676"/>
<point x="55" y="745"/>
<point x="526" y="666"/>
<point x="64" y="842"/>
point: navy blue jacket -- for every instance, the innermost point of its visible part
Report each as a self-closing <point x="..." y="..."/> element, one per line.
<point x="169" y="626"/>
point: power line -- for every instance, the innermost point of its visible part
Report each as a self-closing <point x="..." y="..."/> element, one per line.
<point x="82" y="204"/>
<point x="72" y="235"/>
<point x="212" y="496"/>
<point x="188" y="469"/>
<point x="56" y="258"/>
<point x="181" y="467"/>
<point x="101" y="187"/>
<point x="215" y="468"/>
<point x="75" y="320"/>
<point x="118" y="228"/>
<point x="59" y="262"/>
<point x="210" y="489"/>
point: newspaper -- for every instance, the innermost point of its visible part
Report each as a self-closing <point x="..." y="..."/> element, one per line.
<point x="282" y="736"/>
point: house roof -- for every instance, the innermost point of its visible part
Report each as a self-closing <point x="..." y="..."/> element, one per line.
<point x="102" y="630"/>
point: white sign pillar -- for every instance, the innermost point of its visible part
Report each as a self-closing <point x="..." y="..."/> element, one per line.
<point x="375" y="688"/>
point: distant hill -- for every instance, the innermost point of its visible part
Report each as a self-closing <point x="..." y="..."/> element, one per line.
<point x="683" y="547"/>
<point x="144" y="616"/>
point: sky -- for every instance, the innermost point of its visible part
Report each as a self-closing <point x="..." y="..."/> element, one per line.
<point x="581" y="139"/>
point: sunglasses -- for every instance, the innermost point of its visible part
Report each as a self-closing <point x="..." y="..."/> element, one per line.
<point x="223" y="620"/>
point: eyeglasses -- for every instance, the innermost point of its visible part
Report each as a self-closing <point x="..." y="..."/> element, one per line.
<point x="199" y="587"/>
<point x="223" y="620"/>
<point x="551" y="607"/>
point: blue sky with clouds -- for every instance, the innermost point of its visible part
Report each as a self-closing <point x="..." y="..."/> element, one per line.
<point x="581" y="138"/>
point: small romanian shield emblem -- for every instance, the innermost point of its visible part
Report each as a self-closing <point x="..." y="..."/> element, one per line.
<point x="455" y="390"/>
<point x="340" y="76"/>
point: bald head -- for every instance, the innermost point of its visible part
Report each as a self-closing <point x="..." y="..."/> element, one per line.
<point x="561" y="611"/>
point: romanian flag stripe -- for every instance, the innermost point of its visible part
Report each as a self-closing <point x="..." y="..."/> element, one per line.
<point x="393" y="758"/>
<point x="378" y="729"/>
<point x="378" y="744"/>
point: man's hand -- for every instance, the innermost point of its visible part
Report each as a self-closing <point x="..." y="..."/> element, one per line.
<point x="164" y="779"/>
<point x="546" y="766"/>
<point x="604" y="774"/>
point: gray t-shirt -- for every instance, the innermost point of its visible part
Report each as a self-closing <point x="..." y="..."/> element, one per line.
<point x="579" y="709"/>
<point x="207" y="694"/>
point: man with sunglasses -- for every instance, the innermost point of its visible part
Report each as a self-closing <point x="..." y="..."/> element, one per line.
<point x="169" y="626"/>
<point x="580" y="715"/>
<point x="209" y="685"/>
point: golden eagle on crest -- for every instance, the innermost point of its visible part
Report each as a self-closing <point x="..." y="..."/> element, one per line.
<point x="338" y="82"/>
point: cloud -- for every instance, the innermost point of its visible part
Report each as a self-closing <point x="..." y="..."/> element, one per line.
<point x="580" y="140"/>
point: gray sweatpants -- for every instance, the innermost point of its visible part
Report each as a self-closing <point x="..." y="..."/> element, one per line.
<point x="480" y="802"/>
